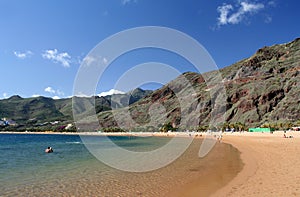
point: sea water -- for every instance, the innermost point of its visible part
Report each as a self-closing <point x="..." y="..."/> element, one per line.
<point x="24" y="163"/>
<point x="71" y="170"/>
<point x="25" y="168"/>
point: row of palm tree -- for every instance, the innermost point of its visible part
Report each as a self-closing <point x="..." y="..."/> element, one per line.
<point x="279" y="125"/>
<point x="231" y="126"/>
<point x="236" y="126"/>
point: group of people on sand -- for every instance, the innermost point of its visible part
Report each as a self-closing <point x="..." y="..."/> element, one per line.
<point x="285" y="136"/>
<point x="49" y="150"/>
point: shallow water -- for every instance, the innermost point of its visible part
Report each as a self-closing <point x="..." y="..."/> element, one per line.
<point x="25" y="170"/>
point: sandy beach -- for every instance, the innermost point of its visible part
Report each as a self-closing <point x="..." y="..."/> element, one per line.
<point x="189" y="175"/>
<point x="271" y="165"/>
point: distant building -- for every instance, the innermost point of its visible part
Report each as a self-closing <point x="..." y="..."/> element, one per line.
<point x="6" y="122"/>
<point x="2" y="123"/>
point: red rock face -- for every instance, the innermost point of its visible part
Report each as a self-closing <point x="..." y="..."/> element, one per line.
<point x="236" y="96"/>
<point x="263" y="87"/>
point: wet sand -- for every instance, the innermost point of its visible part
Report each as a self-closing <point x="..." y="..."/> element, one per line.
<point x="187" y="176"/>
<point x="271" y="165"/>
<point x="253" y="164"/>
<point x="220" y="166"/>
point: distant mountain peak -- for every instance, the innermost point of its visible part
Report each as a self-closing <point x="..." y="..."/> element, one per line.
<point x="15" y="97"/>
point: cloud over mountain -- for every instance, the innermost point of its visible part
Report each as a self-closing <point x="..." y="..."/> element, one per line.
<point x="111" y="92"/>
<point x="52" y="91"/>
<point x="230" y="14"/>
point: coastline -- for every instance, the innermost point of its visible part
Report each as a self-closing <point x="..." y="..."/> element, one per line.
<point x="270" y="164"/>
<point x="137" y="134"/>
<point x="189" y="174"/>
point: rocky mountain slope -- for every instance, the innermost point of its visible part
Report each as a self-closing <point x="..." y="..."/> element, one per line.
<point x="263" y="88"/>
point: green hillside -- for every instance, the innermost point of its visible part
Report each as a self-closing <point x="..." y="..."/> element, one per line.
<point x="42" y="113"/>
<point x="260" y="90"/>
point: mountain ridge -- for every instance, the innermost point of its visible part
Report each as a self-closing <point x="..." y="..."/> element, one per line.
<point x="38" y="112"/>
<point x="261" y="89"/>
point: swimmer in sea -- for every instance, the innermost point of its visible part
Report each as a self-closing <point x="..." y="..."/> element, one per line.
<point x="49" y="150"/>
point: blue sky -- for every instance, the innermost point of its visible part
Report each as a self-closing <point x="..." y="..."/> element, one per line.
<point x="42" y="43"/>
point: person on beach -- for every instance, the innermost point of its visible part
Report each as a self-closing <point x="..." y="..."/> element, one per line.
<point x="219" y="138"/>
<point x="284" y="136"/>
<point x="49" y="150"/>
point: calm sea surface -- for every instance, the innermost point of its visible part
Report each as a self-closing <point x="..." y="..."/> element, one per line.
<point x="26" y="170"/>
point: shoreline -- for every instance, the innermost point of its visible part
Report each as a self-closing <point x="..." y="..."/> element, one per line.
<point x="188" y="172"/>
<point x="222" y="171"/>
<point x="269" y="162"/>
<point x="129" y="134"/>
<point x="185" y="173"/>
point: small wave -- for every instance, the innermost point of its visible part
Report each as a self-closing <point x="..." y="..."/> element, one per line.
<point x="73" y="142"/>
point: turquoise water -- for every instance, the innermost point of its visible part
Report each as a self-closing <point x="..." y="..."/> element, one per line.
<point x="24" y="162"/>
<point x="71" y="170"/>
<point x="25" y="169"/>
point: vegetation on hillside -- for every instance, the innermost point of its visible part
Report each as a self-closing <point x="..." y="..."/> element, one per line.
<point x="262" y="90"/>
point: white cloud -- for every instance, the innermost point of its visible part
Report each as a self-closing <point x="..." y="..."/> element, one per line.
<point x="90" y="60"/>
<point x="251" y="7"/>
<point x="5" y="95"/>
<point x="23" y="55"/>
<point x="125" y="2"/>
<point x="243" y="10"/>
<point x="50" y="90"/>
<point x="56" y="97"/>
<point x="81" y="94"/>
<point x="57" y="93"/>
<point x="224" y="11"/>
<point x="62" y="58"/>
<point x="110" y="92"/>
<point x="35" y="95"/>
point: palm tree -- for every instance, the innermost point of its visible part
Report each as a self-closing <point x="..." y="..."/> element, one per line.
<point x="240" y="126"/>
<point x="225" y="126"/>
<point x="266" y="125"/>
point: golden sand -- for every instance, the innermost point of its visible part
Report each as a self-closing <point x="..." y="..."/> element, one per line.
<point x="271" y="168"/>
<point x="189" y="175"/>
<point x="272" y="165"/>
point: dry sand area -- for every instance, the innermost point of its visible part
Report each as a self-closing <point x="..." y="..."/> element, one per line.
<point x="272" y="165"/>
